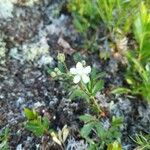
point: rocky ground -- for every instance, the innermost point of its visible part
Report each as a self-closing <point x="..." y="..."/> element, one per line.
<point x="31" y="37"/>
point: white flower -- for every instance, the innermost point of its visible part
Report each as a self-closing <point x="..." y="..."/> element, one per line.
<point x="81" y="73"/>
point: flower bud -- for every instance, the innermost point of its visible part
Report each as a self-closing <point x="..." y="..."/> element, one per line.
<point x="83" y="62"/>
<point x="53" y="74"/>
<point x="56" y="69"/>
<point x="59" y="73"/>
<point x="61" y="57"/>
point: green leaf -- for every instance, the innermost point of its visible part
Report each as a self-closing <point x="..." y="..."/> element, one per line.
<point x="97" y="87"/>
<point x="87" y="118"/>
<point x="35" y="127"/>
<point x="78" y="93"/>
<point x="81" y="24"/>
<point x="101" y="132"/>
<point x="86" y="130"/>
<point x="92" y="147"/>
<point x="114" y="146"/>
<point x="30" y="114"/>
<point x="94" y="73"/>
<point x="45" y="122"/>
<point x="36" y="124"/>
<point x="117" y="121"/>
<point x="77" y="57"/>
<point x="4" y="145"/>
<point x="4" y="137"/>
<point x="121" y="91"/>
<point x="138" y="30"/>
<point x="61" y="67"/>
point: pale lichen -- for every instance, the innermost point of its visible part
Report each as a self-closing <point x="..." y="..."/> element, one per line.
<point x="36" y="52"/>
<point x="6" y="9"/>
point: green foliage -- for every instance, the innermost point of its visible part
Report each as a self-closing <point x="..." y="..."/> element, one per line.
<point x="80" y="89"/>
<point x="89" y="91"/>
<point x="113" y="13"/>
<point x="142" y="141"/>
<point x="138" y="74"/>
<point x="92" y="126"/>
<point x="4" y="136"/>
<point x="35" y="123"/>
<point x="138" y="77"/>
<point x="142" y="33"/>
<point x="77" y="57"/>
<point x="113" y="17"/>
<point x="84" y="14"/>
<point x="77" y="93"/>
<point x="121" y="91"/>
<point x="114" y="146"/>
<point x="40" y="126"/>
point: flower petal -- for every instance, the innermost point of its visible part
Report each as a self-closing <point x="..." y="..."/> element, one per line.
<point x="85" y="78"/>
<point x="79" y="65"/>
<point x="73" y="71"/>
<point x="76" y="79"/>
<point x="87" y="70"/>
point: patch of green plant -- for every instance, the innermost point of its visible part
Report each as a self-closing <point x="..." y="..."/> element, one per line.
<point x="4" y="137"/>
<point x="113" y="13"/>
<point x="113" y="17"/>
<point x="83" y="81"/>
<point x="86" y="20"/>
<point x="114" y="146"/>
<point x="138" y="69"/>
<point x="142" y="141"/>
<point x="35" y="123"/>
<point x="142" y="34"/>
<point x="88" y="91"/>
<point x="85" y="14"/>
<point x="99" y="137"/>
<point x="41" y="126"/>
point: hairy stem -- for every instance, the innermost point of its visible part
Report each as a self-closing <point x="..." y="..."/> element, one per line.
<point x="92" y="99"/>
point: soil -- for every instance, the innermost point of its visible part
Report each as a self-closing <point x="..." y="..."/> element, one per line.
<point x="25" y="82"/>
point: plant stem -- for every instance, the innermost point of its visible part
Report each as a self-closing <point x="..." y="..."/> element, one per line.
<point x="96" y="104"/>
<point x="65" y="66"/>
<point x="92" y="99"/>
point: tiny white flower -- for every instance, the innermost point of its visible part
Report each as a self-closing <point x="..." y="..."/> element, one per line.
<point x="81" y="73"/>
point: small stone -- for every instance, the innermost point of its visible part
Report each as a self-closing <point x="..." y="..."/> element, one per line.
<point x="19" y="147"/>
<point x="38" y="104"/>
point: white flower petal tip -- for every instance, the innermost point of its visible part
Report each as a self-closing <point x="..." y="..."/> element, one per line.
<point x="73" y="71"/>
<point x="85" y="79"/>
<point x="79" y="65"/>
<point x="76" y="79"/>
<point x="87" y="70"/>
